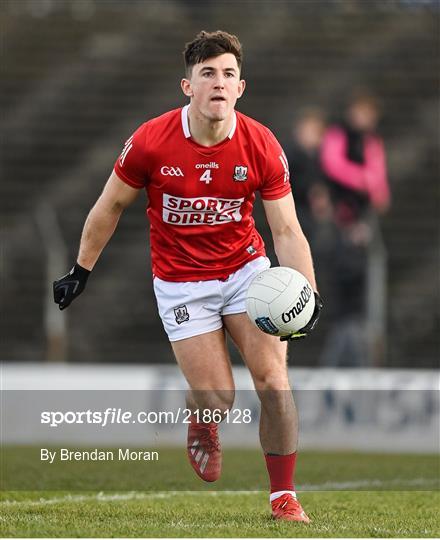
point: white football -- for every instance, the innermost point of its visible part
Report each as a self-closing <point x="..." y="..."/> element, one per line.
<point x="280" y="301"/>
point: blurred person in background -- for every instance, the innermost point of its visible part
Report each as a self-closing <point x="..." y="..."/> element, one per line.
<point x="353" y="159"/>
<point x="312" y="194"/>
<point x="201" y="166"/>
<point x="303" y="156"/>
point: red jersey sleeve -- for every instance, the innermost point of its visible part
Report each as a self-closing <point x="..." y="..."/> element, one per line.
<point x="276" y="182"/>
<point x="131" y="164"/>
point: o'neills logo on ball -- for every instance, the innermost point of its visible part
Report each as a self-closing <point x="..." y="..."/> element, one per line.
<point x="200" y="210"/>
<point x="304" y="297"/>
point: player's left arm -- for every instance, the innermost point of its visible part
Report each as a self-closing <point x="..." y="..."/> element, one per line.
<point x="292" y="248"/>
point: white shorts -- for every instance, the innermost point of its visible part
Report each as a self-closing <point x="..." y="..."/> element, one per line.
<point x="192" y="308"/>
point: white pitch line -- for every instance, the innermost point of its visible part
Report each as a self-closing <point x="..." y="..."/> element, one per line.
<point x="133" y="495"/>
<point x="355" y="484"/>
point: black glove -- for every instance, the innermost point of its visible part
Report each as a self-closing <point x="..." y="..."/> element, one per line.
<point x="70" y="286"/>
<point x="310" y="326"/>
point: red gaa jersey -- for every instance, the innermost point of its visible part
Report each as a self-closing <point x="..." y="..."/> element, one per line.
<point x="200" y="198"/>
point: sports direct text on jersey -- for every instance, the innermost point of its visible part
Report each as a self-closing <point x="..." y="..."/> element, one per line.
<point x="200" y="210"/>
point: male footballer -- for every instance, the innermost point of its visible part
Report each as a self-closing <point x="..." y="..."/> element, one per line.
<point x="201" y="166"/>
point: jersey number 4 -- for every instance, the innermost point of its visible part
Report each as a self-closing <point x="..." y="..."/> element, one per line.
<point x="206" y="176"/>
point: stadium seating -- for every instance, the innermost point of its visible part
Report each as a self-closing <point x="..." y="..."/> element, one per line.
<point x="76" y="87"/>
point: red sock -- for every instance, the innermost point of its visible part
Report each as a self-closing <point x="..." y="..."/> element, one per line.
<point x="281" y="470"/>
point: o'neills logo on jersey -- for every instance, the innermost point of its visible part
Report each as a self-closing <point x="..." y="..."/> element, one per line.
<point x="200" y="210"/>
<point x="211" y="165"/>
<point x="304" y="297"/>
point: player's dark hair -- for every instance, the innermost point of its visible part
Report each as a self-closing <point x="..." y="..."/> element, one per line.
<point x="209" y="45"/>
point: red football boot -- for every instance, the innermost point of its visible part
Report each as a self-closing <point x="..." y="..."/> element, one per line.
<point x="204" y="451"/>
<point x="288" y="508"/>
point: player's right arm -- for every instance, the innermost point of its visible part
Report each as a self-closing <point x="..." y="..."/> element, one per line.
<point x="103" y="219"/>
<point x="127" y="179"/>
<point x="98" y="229"/>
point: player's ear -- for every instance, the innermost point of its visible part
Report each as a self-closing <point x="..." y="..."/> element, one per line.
<point x="241" y="87"/>
<point x="185" y="85"/>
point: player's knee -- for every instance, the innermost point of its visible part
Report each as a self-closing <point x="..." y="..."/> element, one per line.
<point x="275" y="394"/>
<point x="220" y="401"/>
<point x="272" y="381"/>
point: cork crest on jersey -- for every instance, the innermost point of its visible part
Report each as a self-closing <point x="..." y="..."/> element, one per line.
<point x="240" y="173"/>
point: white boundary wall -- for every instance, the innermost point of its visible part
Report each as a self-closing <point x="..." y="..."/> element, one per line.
<point x="346" y="409"/>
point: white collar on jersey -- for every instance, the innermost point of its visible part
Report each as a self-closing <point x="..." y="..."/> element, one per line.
<point x="185" y="123"/>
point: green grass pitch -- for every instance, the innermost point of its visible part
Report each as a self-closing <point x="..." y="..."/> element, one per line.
<point x="345" y="494"/>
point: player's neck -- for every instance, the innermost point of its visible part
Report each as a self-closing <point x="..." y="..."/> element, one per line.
<point x="207" y="132"/>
